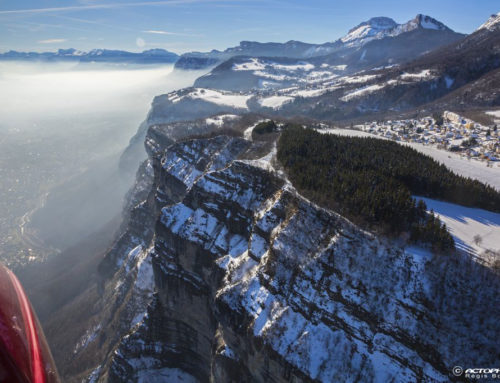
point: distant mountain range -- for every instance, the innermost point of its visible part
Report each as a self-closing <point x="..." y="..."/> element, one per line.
<point x="377" y="28"/>
<point x="462" y="74"/>
<point x="376" y="43"/>
<point x="378" y="69"/>
<point x="151" y="56"/>
<point x="429" y="33"/>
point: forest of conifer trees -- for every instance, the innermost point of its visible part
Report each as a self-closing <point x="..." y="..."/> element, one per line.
<point x="373" y="182"/>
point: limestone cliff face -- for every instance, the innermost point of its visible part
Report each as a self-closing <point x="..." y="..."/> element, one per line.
<point x="224" y="273"/>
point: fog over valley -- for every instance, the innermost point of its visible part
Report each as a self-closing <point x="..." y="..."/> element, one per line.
<point x="62" y="131"/>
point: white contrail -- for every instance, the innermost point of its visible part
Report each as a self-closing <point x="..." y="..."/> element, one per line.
<point x="109" y="6"/>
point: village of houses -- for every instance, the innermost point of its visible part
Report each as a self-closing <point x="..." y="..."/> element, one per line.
<point x="456" y="134"/>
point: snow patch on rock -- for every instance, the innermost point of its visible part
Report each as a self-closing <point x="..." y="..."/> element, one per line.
<point x="424" y="74"/>
<point x="361" y="92"/>
<point x="492" y="23"/>
<point x="220" y="120"/>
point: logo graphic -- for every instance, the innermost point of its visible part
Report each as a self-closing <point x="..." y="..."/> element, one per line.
<point x="457" y="370"/>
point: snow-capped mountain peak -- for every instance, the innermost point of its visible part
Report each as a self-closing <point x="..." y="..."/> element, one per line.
<point x="96" y="52"/>
<point x="70" y="52"/>
<point x="368" y="30"/>
<point x="492" y="23"/>
<point x="380" y="27"/>
<point x="425" y="22"/>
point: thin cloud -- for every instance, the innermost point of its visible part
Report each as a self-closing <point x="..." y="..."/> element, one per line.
<point x="52" y="41"/>
<point x="167" y="33"/>
<point x="92" y="22"/>
<point x="161" y="33"/>
<point x="35" y="27"/>
<point x="110" y="6"/>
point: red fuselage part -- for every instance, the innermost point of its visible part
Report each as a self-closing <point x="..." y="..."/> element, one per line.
<point x="24" y="354"/>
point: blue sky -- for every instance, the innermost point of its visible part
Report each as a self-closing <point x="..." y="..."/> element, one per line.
<point x="186" y="25"/>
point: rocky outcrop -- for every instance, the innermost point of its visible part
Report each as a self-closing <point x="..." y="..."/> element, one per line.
<point x="224" y="273"/>
<point x="177" y="115"/>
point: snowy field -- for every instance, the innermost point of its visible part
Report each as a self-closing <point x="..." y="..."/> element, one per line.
<point x="347" y="132"/>
<point x="495" y="114"/>
<point x="275" y="102"/>
<point x="214" y="96"/>
<point x="466" y="223"/>
<point x="221" y="119"/>
<point x="462" y="166"/>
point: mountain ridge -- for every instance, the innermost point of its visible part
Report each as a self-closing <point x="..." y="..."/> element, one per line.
<point x="357" y="37"/>
<point x="94" y="55"/>
<point x="385" y="76"/>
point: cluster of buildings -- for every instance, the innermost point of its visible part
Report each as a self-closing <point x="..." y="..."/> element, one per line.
<point x="454" y="133"/>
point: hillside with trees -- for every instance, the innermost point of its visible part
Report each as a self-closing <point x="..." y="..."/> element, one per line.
<point x="372" y="182"/>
